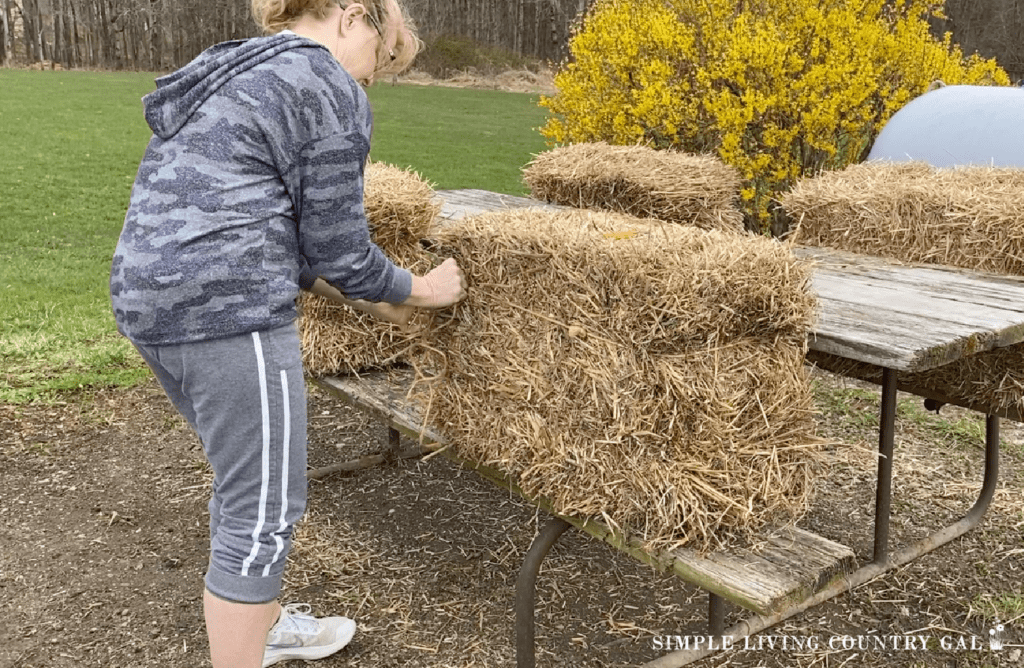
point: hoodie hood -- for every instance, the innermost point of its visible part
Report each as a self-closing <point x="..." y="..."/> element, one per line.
<point x="179" y="95"/>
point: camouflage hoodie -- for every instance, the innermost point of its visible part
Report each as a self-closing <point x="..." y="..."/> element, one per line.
<point x="254" y="176"/>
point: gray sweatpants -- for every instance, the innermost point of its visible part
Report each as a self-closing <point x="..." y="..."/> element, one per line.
<point x="245" y="397"/>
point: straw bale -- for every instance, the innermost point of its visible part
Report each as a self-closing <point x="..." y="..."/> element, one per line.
<point x="968" y="217"/>
<point x="337" y="339"/>
<point x="400" y="209"/>
<point x="625" y="369"/>
<point x="676" y="187"/>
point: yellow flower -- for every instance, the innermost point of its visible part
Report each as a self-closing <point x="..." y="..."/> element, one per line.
<point x="782" y="89"/>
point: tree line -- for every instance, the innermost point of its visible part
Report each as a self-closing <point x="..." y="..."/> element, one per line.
<point x="160" y="35"/>
<point x="164" y="34"/>
<point x="117" y="34"/>
<point x="535" y="28"/>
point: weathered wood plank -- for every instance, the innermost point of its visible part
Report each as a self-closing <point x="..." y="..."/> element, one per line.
<point x="943" y="305"/>
<point x="937" y="278"/>
<point x="457" y="204"/>
<point x="861" y="333"/>
<point x="791" y="565"/>
<point x="904" y="317"/>
<point x="922" y="316"/>
<point x="384" y="398"/>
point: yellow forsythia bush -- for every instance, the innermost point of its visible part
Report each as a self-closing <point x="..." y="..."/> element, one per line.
<point x="777" y="88"/>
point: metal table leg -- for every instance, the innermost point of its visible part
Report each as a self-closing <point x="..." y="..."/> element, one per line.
<point x="883" y="493"/>
<point x="973" y="516"/>
<point x="886" y="440"/>
<point x="526" y="589"/>
<point x="716" y="615"/>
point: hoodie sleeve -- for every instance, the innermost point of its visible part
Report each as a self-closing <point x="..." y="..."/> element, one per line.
<point x="326" y="182"/>
<point x="324" y="140"/>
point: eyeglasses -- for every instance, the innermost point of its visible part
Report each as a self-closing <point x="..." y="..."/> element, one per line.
<point x="376" y="24"/>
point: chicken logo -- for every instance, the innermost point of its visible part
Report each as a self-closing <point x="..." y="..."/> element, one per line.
<point x="995" y="637"/>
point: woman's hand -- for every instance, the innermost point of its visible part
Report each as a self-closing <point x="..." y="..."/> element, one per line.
<point x="443" y="286"/>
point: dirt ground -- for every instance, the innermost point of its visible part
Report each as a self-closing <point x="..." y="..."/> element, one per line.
<point x="104" y="545"/>
<point x="515" y="81"/>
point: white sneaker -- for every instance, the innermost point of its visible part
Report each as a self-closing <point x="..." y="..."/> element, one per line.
<point x="299" y="635"/>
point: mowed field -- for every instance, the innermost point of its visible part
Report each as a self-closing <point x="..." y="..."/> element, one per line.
<point x="72" y="142"/>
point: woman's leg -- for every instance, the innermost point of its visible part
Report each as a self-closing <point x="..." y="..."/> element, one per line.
<point x="237" y="631"/>
<point x="245" y="396"/>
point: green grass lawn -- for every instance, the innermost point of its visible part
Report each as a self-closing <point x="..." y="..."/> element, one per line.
<point x="457" y="138"/>
<point x="71" y="143"/>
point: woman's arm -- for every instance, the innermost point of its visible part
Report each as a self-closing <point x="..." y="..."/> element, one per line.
<point x="396" y="314"/>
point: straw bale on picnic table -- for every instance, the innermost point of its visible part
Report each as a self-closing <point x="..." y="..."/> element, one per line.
<point x="676" y="187"/>
<point x="967" y="217"/>
<point x="400" y="210"/>
<point x="641" y="372"/>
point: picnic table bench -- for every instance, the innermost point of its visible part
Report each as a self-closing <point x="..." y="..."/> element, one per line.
<point x="900" y="318"/>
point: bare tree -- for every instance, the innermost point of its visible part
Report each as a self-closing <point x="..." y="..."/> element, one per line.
<point x="73" y="36"/>
<point x="164" y="34"/>
<point x="6" y="33"/>
<point x="28" y="31"/>
<point x="61" y="35"/>
<point x="991" y="28"/>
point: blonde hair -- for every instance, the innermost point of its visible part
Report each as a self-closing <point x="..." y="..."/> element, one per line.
<point x="273" y="16"/>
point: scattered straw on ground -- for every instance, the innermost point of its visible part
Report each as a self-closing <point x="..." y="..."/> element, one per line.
<point x="516" y="81"/>
<point x="649" y="374"/>
<point x="401" y="210"/>
<point x="668" y="185"/>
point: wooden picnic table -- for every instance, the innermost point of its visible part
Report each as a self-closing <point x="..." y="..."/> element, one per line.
<point x="898" y="317"/>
